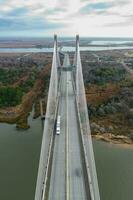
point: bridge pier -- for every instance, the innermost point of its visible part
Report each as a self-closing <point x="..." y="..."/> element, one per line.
<point x="41" y="109"/>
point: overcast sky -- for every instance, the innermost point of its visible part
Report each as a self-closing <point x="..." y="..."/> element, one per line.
<point x="112" y="18"/>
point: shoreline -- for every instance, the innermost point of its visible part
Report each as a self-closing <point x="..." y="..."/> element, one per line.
<point x="119" y="140"/>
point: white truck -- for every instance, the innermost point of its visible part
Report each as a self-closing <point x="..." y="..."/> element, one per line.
<point x="58" y="125"/>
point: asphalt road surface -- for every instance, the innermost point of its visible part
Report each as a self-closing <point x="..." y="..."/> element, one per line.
<point x="67" y="179"/>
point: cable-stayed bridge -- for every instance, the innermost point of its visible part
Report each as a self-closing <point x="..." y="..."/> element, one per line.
<point x="67" y="167"/>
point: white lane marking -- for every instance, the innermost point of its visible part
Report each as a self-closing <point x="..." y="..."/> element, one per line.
<point x="67" y="145"/>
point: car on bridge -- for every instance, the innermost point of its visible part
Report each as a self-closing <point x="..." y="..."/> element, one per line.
<point x="58" y="125"/>
<point x="58" y="130"/>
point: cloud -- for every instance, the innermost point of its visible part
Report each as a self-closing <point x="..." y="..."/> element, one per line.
<point x="66" y="17"/>
<point x="91" y="7"/>
<point x="31" y="24"/>
<point x="17" y="12"/>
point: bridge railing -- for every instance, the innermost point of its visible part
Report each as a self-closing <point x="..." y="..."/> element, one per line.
<point x="85" y="126"/>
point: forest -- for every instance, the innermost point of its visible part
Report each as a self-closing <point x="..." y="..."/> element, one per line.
<point x="10" y="96"/>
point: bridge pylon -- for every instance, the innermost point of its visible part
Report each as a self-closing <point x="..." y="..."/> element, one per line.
<point x="49" y="125"/>
<point x="85" y="125"/>
<point x="57" y="48"/>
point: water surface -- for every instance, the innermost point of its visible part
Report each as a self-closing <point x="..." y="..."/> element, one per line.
<point x="115" y="171"/>
<point x="65" y="48"/>
<point x="19" y="156"/>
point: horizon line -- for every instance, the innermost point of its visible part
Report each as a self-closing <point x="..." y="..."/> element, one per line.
<point x="115" y="37"/>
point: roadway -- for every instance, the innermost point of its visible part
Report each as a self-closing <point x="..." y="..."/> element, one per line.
<point x="57" y="182"/>
<point x="67" y="180"/>
<point x="96" y="56"/>
<point x="77" y="181"/>
<point x="130" y="71"/>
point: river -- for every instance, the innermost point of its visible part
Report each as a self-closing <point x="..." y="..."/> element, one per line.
<point x="19" y="157"/>
<point x="115" y="171"/>
<point x="65" y="48"/>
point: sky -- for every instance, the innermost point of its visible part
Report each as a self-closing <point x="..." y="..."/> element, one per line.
<point x="90" y="18"/>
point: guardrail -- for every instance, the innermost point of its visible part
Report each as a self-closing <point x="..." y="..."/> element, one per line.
<point x="83" y="151"/>
<point x="49" y="162"/>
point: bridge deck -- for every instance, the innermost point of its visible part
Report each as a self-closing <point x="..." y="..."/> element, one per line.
<point x="57" y="182"/>
<point x="67" y="177"/>
<point x="77" y="181"/>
